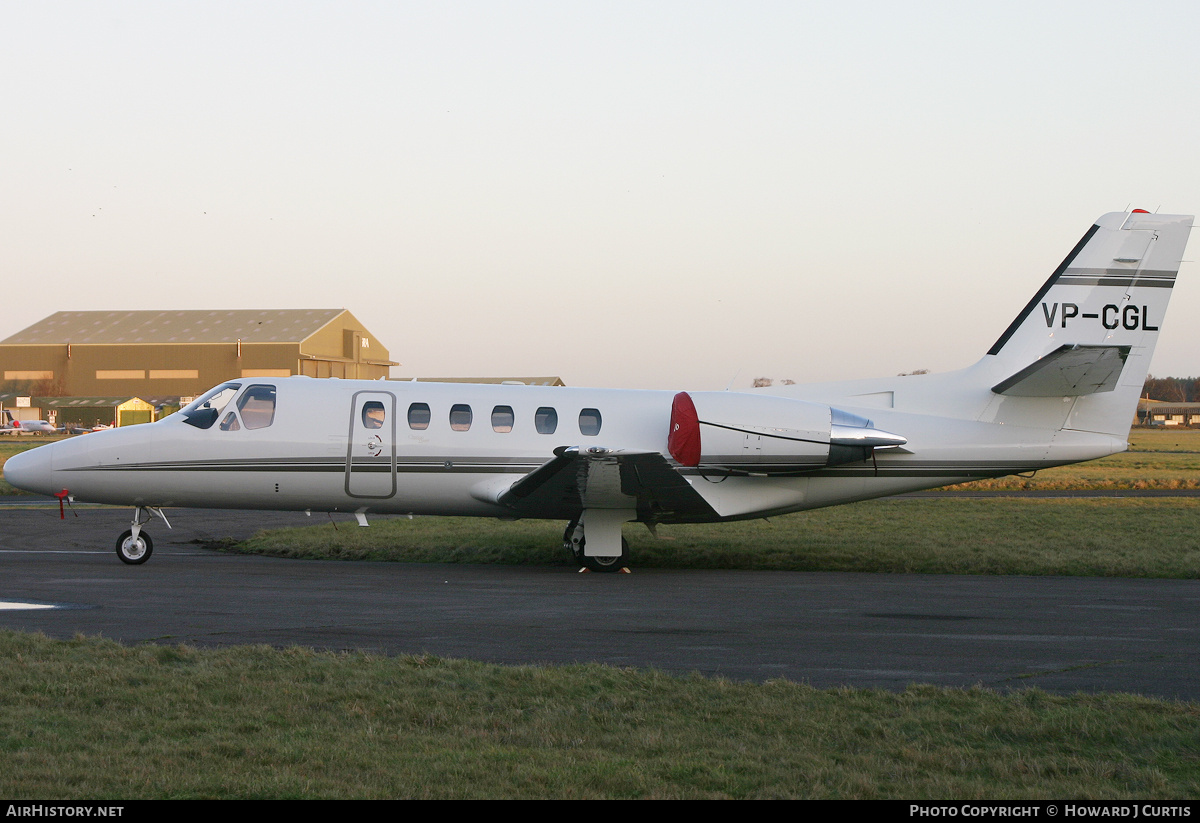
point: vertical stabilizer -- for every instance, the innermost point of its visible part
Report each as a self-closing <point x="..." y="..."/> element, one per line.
<point x="1084" y="342"/>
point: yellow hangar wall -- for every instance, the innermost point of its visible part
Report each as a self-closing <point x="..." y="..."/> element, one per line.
<point x="340" y="348"/>
<point x="146" y="369"/>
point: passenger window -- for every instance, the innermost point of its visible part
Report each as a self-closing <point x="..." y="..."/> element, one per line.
<point x="230" y="423"/>
<point x="373" y="415"/>
<point x="589" y="422"/>
<point x="418" y="416"/>
<point x="502" y="418"/>
<point x="257" y="405"/>
<point x="460" y="417"/>
<point x="545" y="420"/>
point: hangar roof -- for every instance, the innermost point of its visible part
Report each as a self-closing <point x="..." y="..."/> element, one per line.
<point x="216" y="326"/>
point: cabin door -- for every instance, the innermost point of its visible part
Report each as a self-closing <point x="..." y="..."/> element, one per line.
<point x="371" y="451"/>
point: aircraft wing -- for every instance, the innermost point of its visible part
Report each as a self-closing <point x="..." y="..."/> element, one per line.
<point x="581" y="476"/>
<point x="1068" y="371"/>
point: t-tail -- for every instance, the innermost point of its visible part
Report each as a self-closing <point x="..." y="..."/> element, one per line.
<point x="1077" y="356"/>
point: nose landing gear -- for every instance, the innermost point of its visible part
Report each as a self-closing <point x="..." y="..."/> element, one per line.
<point x="135" y="546"/>
<point x="134" y="550"/>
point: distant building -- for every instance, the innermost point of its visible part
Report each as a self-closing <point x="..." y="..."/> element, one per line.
<point x="86" y="412"/>
<point x="1161" y="413"/>
<point x="184" y="353"/>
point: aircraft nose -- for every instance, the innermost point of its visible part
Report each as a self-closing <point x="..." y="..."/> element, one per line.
<point x="31" y="471"/>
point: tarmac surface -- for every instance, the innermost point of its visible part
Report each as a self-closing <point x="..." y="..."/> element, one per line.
<point x="1061" y="634"/>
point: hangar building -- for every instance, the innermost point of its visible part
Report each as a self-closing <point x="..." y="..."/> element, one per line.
<point x="184" y="353"/>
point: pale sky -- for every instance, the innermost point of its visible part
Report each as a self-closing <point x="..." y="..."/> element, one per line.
<point x="644" y="194"/>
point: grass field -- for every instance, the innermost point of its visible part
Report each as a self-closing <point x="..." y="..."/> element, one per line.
<point x="1126" y="537"/>
<point x="1157" y="459"/>
<point x="91" y="719"/>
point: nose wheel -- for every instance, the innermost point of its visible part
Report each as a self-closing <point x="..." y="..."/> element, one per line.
<point x="134" y="550"/>
<point x="134" y="546"/>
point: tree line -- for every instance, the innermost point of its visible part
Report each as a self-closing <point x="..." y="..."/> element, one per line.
<point x="1172" y="389"/>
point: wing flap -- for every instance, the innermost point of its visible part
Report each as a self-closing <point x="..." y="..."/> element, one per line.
<point x="580" y="477"/>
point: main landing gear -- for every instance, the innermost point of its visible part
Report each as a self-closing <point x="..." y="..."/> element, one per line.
<point x="575" y="542"/>
<point x="135" y="546"/>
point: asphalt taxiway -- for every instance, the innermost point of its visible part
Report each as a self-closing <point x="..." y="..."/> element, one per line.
<point x="1062" y="634"/>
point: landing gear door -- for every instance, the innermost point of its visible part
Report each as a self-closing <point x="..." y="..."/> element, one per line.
<point x="371" y="451"/>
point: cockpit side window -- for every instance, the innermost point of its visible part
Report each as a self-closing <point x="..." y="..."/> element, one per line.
<point x="257" y="406"/>
<point x="204" y="410"/>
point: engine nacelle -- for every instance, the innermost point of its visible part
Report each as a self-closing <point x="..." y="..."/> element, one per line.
<point x="763" y="434"/>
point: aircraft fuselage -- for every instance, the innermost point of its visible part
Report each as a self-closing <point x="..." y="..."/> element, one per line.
<point x="451" y="449"/>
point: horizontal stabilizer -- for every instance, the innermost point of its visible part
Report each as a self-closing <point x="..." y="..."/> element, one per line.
<point x="587" y="477"/>
<point x="1068" y="371"/>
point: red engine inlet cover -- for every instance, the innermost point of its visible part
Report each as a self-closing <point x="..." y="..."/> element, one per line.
<point x="684" y="440"/>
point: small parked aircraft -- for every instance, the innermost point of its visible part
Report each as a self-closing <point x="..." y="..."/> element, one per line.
<point x="1059" y="386"/>
<point x="14" y="426"/>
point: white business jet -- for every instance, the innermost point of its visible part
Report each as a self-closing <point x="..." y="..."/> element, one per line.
<point x="1059" y="386"/>
<point x="15" y="426"/>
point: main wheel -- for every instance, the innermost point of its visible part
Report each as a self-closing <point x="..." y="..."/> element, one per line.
<point x="133" y="551"/>
<point x="569" y="535"/>
<point x="607" y="563"/>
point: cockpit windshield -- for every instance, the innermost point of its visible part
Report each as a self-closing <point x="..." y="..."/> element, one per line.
<point x="204" y="410"/>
